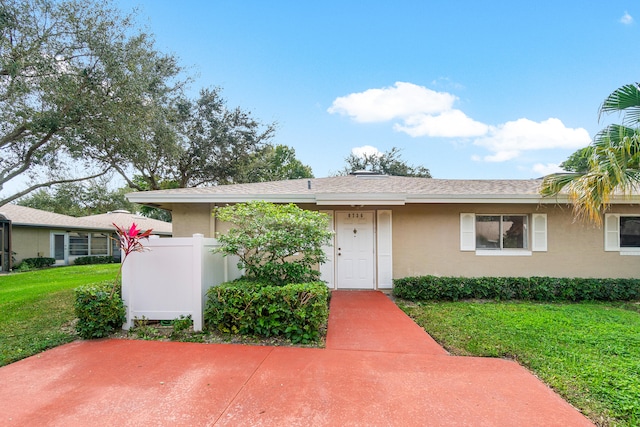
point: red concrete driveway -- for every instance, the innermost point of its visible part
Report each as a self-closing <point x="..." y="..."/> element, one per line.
<point x="378" y="369"/>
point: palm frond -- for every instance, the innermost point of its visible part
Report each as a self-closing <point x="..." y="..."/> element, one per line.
<point x="590" y="195"/>
<point x="613" y="169"/>
<point x="552" y="185"/>
<point x="626" y="100"/>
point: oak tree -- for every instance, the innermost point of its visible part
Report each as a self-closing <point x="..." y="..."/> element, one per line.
<point x="78" y="81"/>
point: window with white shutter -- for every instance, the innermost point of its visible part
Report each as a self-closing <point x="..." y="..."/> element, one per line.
<point x="622" y="234"/>
<point x="503" y="234"/>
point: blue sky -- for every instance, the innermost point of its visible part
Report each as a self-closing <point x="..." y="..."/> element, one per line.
<point x="468" y="89"/>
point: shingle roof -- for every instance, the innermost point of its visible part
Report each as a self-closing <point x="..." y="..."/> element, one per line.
<point x="22" y="215"/>
<point x="369" y="184"/>
<point x="25" y="216"/>
<point x="124" y="219"/>
<point x="364" y="189"/>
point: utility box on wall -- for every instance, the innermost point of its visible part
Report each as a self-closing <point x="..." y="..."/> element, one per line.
<point x="5" y="243"/>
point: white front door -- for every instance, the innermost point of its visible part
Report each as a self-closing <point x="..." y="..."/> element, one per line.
<point x="355" y="250"/>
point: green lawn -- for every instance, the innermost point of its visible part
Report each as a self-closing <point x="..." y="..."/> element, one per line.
<point x="589" y="353"/>
<point x="36" y="308"/>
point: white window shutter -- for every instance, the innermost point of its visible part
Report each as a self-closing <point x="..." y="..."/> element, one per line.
<point x="385" y="250"/>
<point x="611" y="232"/>
<point x="467" y="232"/>
<point x="327" y="270"/>
<point x="539" y="232"/>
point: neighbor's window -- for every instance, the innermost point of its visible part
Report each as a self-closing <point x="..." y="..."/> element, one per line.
<point x="501" y="232"/>
<point x="78" y="244"/>
<point x="99" y="244"/>
<point x="629" y="232"/>
<point x="115" y="248"/>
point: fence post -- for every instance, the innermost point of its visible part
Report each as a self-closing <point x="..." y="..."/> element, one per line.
<point x="127" y="293"/>
<point x="198" y="248"/>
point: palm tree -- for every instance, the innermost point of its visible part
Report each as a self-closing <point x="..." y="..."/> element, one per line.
<point x="613" y="162"/>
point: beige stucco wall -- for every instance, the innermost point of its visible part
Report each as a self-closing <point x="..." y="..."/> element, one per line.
<point x="426" y="240"/>
<point x="191" y="218"/>
<point x="30" y="242"/>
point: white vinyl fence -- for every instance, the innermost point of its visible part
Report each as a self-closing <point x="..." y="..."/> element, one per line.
<point x="171" y="278"/>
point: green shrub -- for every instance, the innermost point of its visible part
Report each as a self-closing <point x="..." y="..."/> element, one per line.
<point x="100" y="313"/>
<point x="297" y="312"/>
<point x="281" y="244"/>
<point x="520" y="288"/>
<point x="30" y="263"/>
<point x="85" y="260"/>
<point x="181" y="326"/>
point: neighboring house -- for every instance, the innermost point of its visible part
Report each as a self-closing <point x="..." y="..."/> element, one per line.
<point x="36" y="233"/>
<point x="390" y="227"/>
<point x="5" y="243"/>
<point x="124" y="219"/>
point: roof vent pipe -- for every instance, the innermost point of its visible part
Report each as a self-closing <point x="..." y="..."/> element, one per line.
<point x="309" y="184"/>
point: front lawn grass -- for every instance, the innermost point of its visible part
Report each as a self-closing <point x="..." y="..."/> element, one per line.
<point x="36" y="307"/>
<point x="589" y="352"/>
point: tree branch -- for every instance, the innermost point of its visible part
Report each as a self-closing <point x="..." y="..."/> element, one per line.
<point x="48" y="184"/>
<point x="130" y="183"/>
<point x="13" y="136"/>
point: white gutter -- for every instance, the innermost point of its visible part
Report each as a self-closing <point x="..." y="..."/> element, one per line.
<point x="365" y="199"/>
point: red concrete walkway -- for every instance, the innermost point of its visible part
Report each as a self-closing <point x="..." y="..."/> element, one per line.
<point x="379" y="369"/>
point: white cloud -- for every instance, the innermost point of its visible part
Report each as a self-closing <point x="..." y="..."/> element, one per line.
<point x="390" y="103"/>
<point x="547" y="169"/>
<point x="367" y="150"/>
<point x="626" y="19"/>
<point x="417" y="110"/>
<point x="449" y="124"/>
<point x="507" y="141"/>
<point x="501" y="156"/>
<point x="422" y="112"/>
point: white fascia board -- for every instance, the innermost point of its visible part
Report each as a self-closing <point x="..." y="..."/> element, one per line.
<point x="624" y="200"/>
<point x="485" y="199"/>
<point x="64" y="227"/>
<point x="365" y="199"/>
<point x="360" y="199"/>
<point x="217" y="198"/>
<point x="508" y="199"/>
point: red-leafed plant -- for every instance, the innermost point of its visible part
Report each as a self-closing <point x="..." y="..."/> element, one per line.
<point x="100" y="310"/>
<point x="129" y="241"/>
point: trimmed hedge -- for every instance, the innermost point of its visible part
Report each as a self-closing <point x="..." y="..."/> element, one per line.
<point x="297" y="312"/>
<point x="516" y="288"/>
<point x="92" y="259"/>
<point x="99" y="313"/>
<point x="39" y="262"/>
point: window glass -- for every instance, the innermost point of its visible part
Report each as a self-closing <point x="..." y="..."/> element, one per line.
<point x="501" y="232"/>
<point x="115" y="248"/>
<point x="514" y="234"/>
<point x="78" y="244"/>
<point x="629" y="232"/>
<point x="487" y="232"/>
<point x="99" y="244"/>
